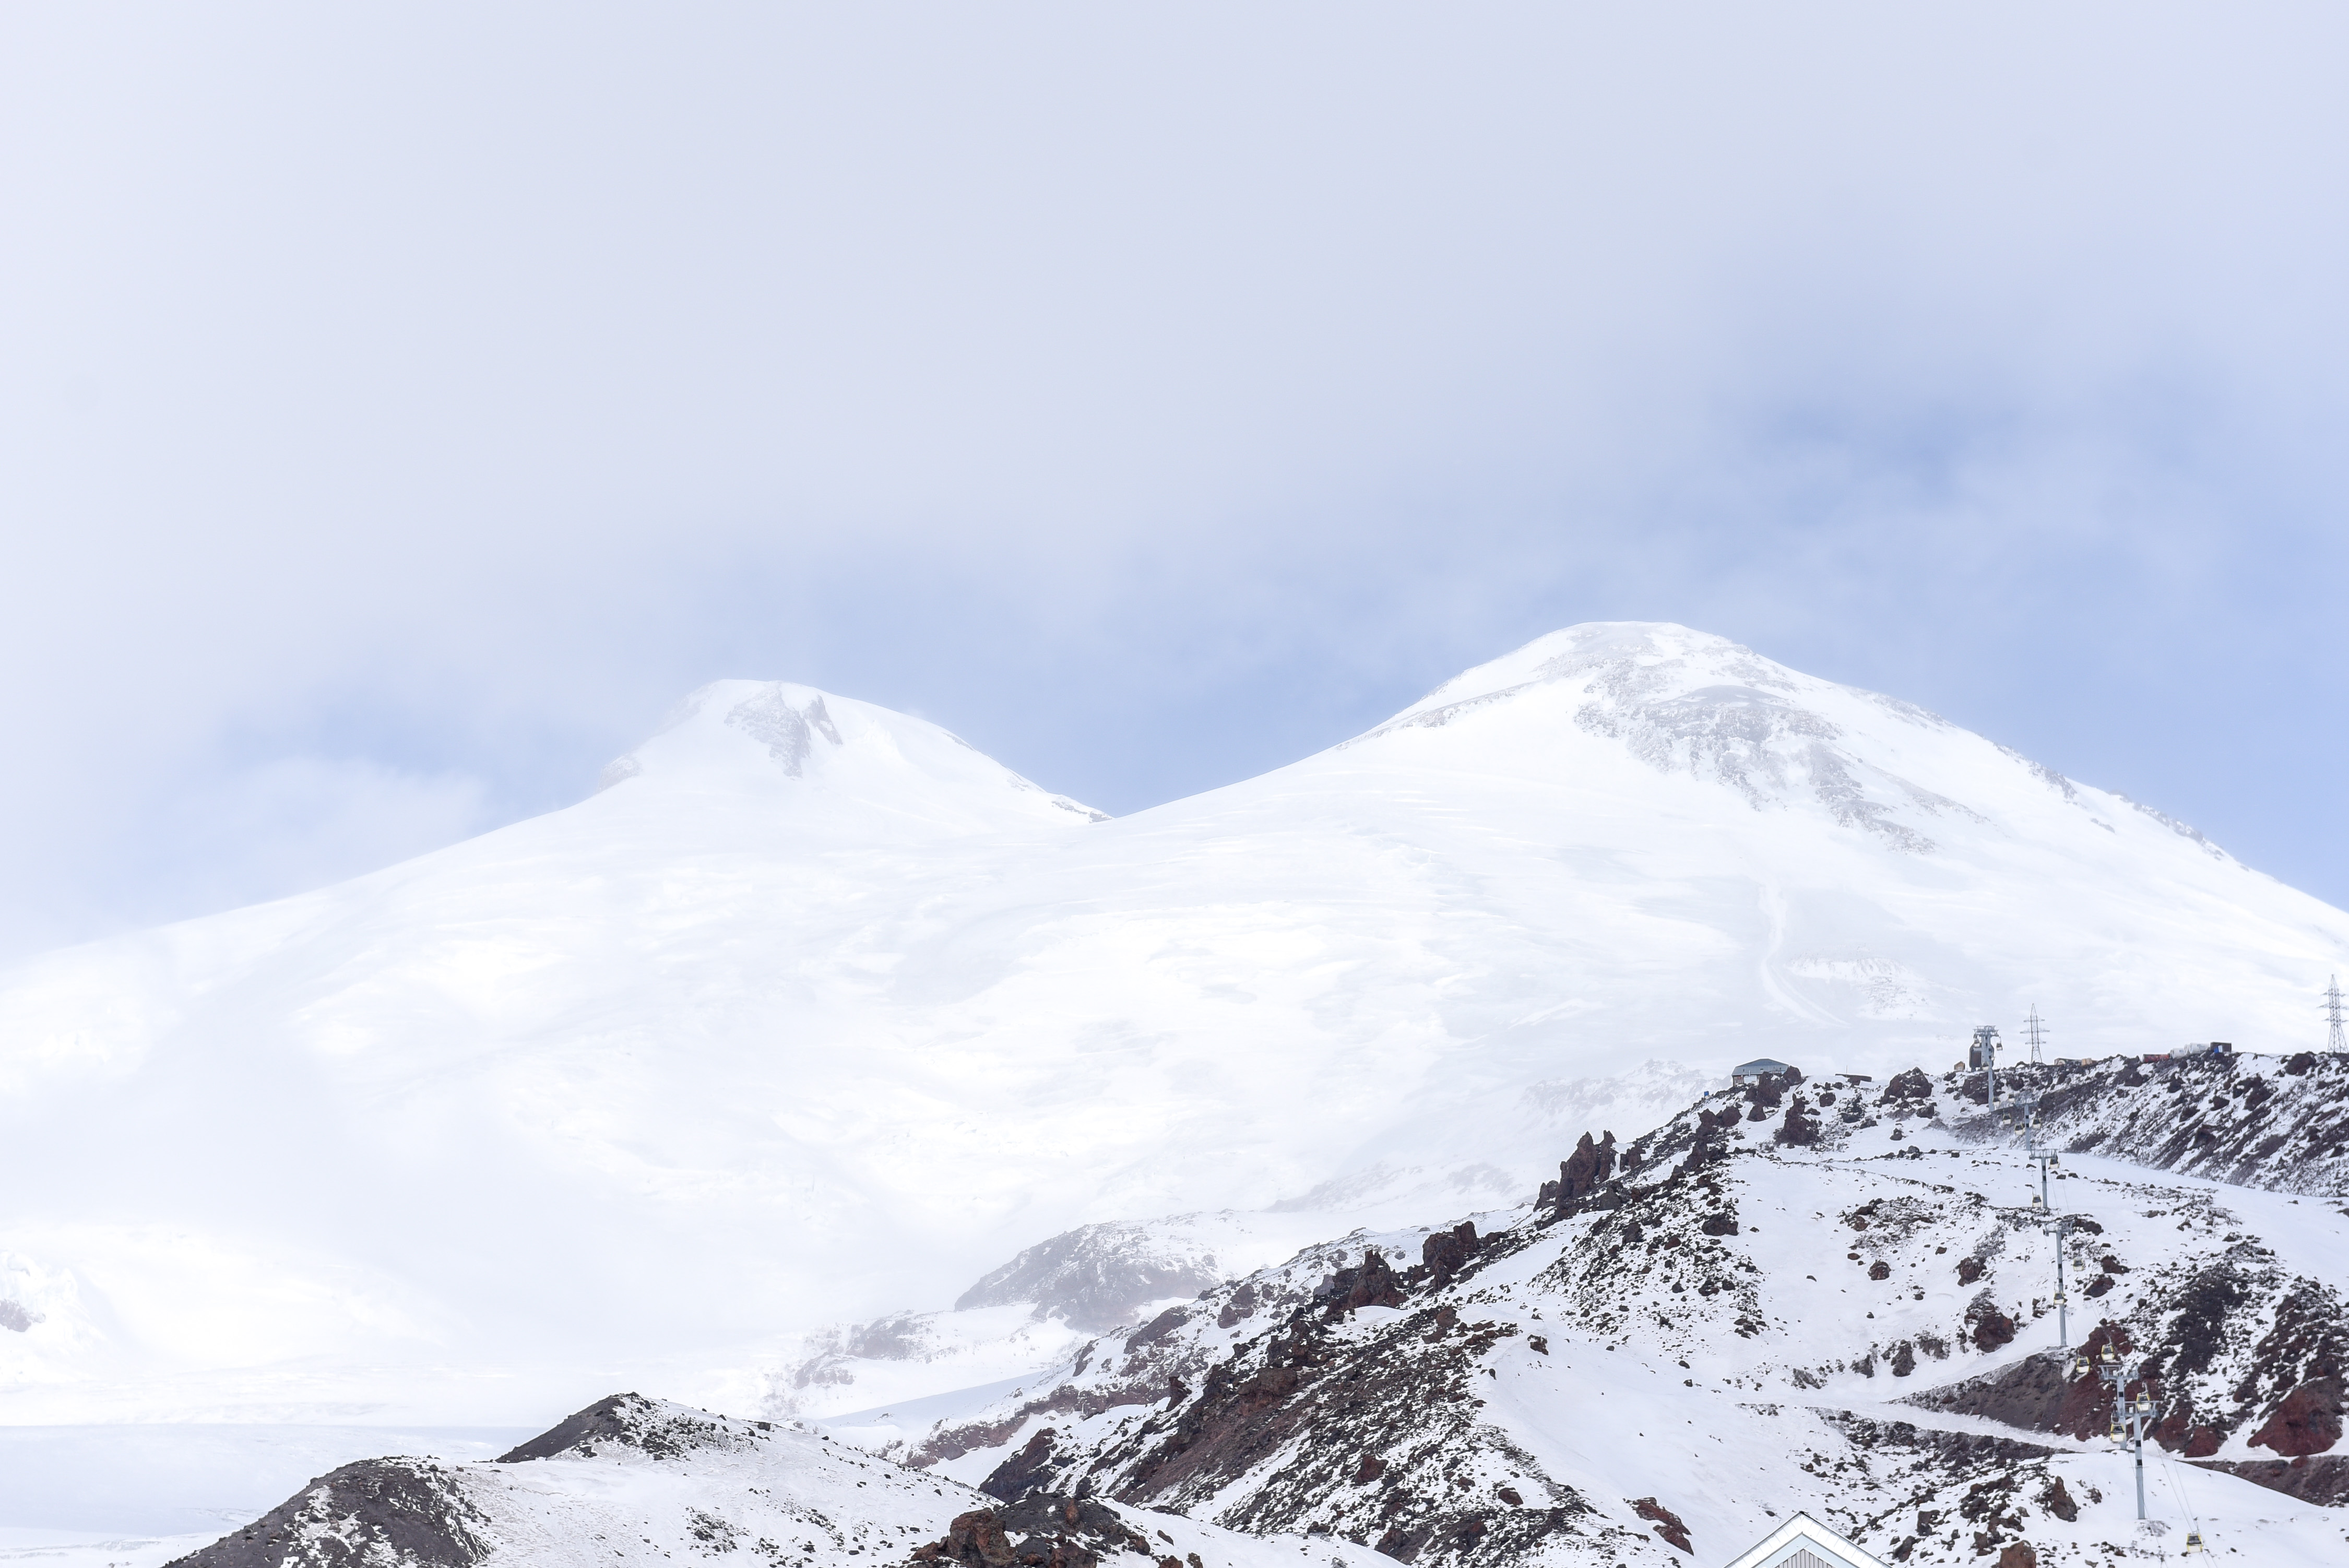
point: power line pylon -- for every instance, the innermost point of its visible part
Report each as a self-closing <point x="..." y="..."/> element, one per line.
<point x="2334" y="1041"/>
<point x="2034" y="1031"/>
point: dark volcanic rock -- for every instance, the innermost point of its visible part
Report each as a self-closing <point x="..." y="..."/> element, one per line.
<point x="1583" y="1172"/>
<point x="1157" y="1328"/>
<point x="2038" y="1393"/>
<point x="977" y="1538"/>
<point x="633" y="1421"/>
<point x="2214" y="1117"/>
<point x="1242" y="1305"/>
<point x="1445" y="1252"/>
<point x="1910" y="1086"/>
<point x="2198" y="1332"/>
<point x="409" y="1511"/>
<point x="1992" y="1329"/>
<point x="1799" y="1131"/>
<point x="1053" y="1531"/>
<point x="1371" y="1283"/>
<point x="2323" y="1479"/>
<point x="2307" y="1342"/>
<point x="1024" y="1471"/>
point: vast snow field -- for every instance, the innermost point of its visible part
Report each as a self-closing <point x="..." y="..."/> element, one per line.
<point x="813" y="1015"/>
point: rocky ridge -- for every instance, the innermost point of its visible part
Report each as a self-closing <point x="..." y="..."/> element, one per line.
<point x="1832" y="1294"/>
<point x="1404" y="1390"/>
<point x="635" y="1481"/>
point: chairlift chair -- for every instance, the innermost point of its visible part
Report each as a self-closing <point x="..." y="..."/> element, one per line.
<point x="2193" y="1542"/>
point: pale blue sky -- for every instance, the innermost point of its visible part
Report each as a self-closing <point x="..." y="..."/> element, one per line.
<point x="401" y="405"/>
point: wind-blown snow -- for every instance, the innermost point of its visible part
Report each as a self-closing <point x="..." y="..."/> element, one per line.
<point x="813" y="1014"/>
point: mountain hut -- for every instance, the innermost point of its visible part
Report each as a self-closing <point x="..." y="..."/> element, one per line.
<point x="1804" y="1542"/>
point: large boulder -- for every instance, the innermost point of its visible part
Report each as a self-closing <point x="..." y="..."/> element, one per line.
<point x="2307" y="1420"/>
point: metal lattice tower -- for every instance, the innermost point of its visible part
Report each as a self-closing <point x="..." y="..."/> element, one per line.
<point x="2026" y="1106"/>
<point x="2132" y="1418"/>
<point x="2334" y="1040"/>
<point x="1986" y="1048"/>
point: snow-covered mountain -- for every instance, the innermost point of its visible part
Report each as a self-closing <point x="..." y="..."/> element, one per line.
<point x="814" y="1015"/>
<point x="1839" y="1297"/>
<point x="631" y="1480"/>
<point x="1827" y="1295"/>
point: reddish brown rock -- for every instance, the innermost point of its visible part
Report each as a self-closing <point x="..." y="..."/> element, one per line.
<point x="1799" y="1131"/>
<point x="2180" y="1433"/>
<point x="1911" y="1084"/>
<point x="1446" y="1252"/>
<point x="2307" y="1422"/>
<point x="975" y="1540"/>
<point x="1969" y="1270"/>
<point x="1024" y="1471"/>
<point x="1586" y="1170"/>
<point x="1993" y="1330"/>
<point x="2018" y="1554"/>
<point x="1371" y="1284"/>
<point x="1668" y="1524"/>
<point x="1241" y="1304"/>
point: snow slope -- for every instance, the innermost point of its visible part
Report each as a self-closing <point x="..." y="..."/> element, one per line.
<point x="1840" y="1300"/>
<point x="813" y="1014"/>
<point x="631" y="1480"/>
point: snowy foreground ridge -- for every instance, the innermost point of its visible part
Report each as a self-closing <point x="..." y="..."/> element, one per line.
<point x="813" y="1024"/>
<point x="1831" y="1297"/>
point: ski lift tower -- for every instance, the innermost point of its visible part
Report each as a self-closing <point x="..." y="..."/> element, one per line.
<point x="2026" y="1105"/>
<point x="2131" y="1418"/>
<point x="2039" y="1154"/>
<point x="1986" y="1057"/>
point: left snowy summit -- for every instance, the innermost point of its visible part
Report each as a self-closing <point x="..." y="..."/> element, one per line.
<point x="839" y="759"/>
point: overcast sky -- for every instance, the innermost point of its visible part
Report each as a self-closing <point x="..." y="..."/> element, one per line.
<point x="401" y="405"/>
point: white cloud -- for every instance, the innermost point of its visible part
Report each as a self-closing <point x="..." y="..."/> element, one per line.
<point x="1148" y="395"/>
